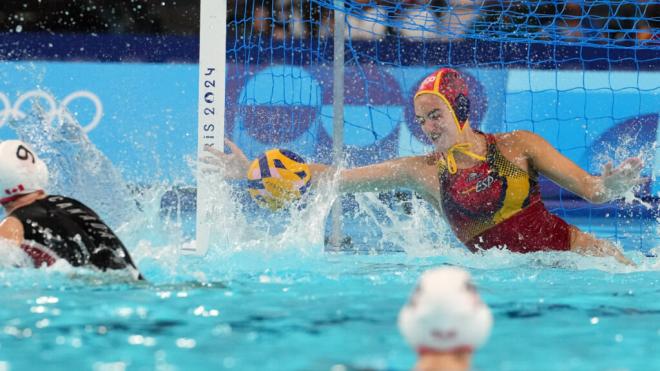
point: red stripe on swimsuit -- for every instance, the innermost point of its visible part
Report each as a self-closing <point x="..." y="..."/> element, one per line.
<point x="40" y="255"/>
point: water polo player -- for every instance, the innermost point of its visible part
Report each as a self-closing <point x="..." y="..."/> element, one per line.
<point x="485" y="185"/>
<point x="445" y="320"/>
<point x="49" y="227"/>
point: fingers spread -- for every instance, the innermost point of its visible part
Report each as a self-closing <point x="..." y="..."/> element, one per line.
<point x="213" y="150"/>
<point x="643" y="180"/>
<point x="234" y="148"/>
<point x="210" y="170"/>
<point x="210" y="160"/>
<point x="632" y="163"/>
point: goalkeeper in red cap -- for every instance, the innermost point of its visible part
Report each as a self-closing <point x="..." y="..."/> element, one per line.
<point x="485" y="185"/>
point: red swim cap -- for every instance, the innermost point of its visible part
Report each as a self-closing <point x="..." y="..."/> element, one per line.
<point x="449" y="85"/>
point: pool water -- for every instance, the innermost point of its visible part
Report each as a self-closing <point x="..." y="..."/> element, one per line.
<point x="266" y="306"/>
<point x="321" y="313"/>
<point x="267" y="296"/>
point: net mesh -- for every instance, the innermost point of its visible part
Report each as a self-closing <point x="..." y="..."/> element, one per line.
<point x="582" y="74"/>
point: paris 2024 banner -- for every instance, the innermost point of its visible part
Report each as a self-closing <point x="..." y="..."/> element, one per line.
<point x="142" y="116"/>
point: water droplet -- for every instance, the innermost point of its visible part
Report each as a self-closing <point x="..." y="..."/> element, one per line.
<point x="186" y="343"/>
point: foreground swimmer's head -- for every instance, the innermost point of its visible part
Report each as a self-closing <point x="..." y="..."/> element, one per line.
<point x="442" y="106"/>
<point x="21" y="171"/>
<point x="445" y="313"/>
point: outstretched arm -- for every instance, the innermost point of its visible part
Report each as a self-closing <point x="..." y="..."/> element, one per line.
<point x="404" y="172"/>
<point x="610" y="185"/>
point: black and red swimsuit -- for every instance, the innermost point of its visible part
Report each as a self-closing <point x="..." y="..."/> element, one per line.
<point x="497" y="204"/>
<point x="58" y="227"/>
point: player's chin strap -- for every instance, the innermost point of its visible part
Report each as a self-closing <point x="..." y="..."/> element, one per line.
<point x="423" y="350"/>
<point x="463" y="148"/>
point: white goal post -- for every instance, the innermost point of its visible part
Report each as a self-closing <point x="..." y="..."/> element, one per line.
<point x="211" y="109"/>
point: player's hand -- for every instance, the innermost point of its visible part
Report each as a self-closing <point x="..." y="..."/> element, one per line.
<point x="233" y="165"/>
<point x="620" y="180"/>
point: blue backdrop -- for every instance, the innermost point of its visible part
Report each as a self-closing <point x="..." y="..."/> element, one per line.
<point x="143" y="115"/>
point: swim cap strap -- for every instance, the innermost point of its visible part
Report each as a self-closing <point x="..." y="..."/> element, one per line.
<point x="463" y="148"/>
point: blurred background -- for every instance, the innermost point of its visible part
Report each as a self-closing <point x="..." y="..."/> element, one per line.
<point x="603" y="21"/>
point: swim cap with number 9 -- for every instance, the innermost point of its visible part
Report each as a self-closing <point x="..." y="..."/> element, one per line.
<point x="21" y="170"/>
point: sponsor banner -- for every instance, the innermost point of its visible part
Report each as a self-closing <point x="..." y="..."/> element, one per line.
<point x="143" y="116"/>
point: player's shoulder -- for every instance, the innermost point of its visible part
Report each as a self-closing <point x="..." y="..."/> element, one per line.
<point x="11" y="229"/>
<point x="517" y="138"/>
<point x="519" y="142"/>
<point x="10" y="221"/>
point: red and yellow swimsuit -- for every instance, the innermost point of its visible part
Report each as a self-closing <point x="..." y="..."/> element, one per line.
<point x="497" y="204"/>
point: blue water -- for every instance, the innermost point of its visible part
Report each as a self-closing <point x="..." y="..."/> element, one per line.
<point x="267" y="296"/>
<point x="287" y="312"/>
<point x="265" y="306"/>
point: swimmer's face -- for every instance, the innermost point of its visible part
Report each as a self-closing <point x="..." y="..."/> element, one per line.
<point x="436" y="119"/>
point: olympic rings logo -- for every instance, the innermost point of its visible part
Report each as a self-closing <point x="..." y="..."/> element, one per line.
<point x="10" y="112"/>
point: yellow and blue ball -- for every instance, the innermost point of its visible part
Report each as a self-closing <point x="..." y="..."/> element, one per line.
<point x="278" y="178"/>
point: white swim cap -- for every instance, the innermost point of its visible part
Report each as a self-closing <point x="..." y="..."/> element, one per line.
<point x="445" y="313"/>
<point x="21" y="171"/>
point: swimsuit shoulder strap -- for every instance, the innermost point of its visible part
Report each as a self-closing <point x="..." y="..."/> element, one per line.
<point x="491" y="142"/>
<point x="501" y="162"/>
